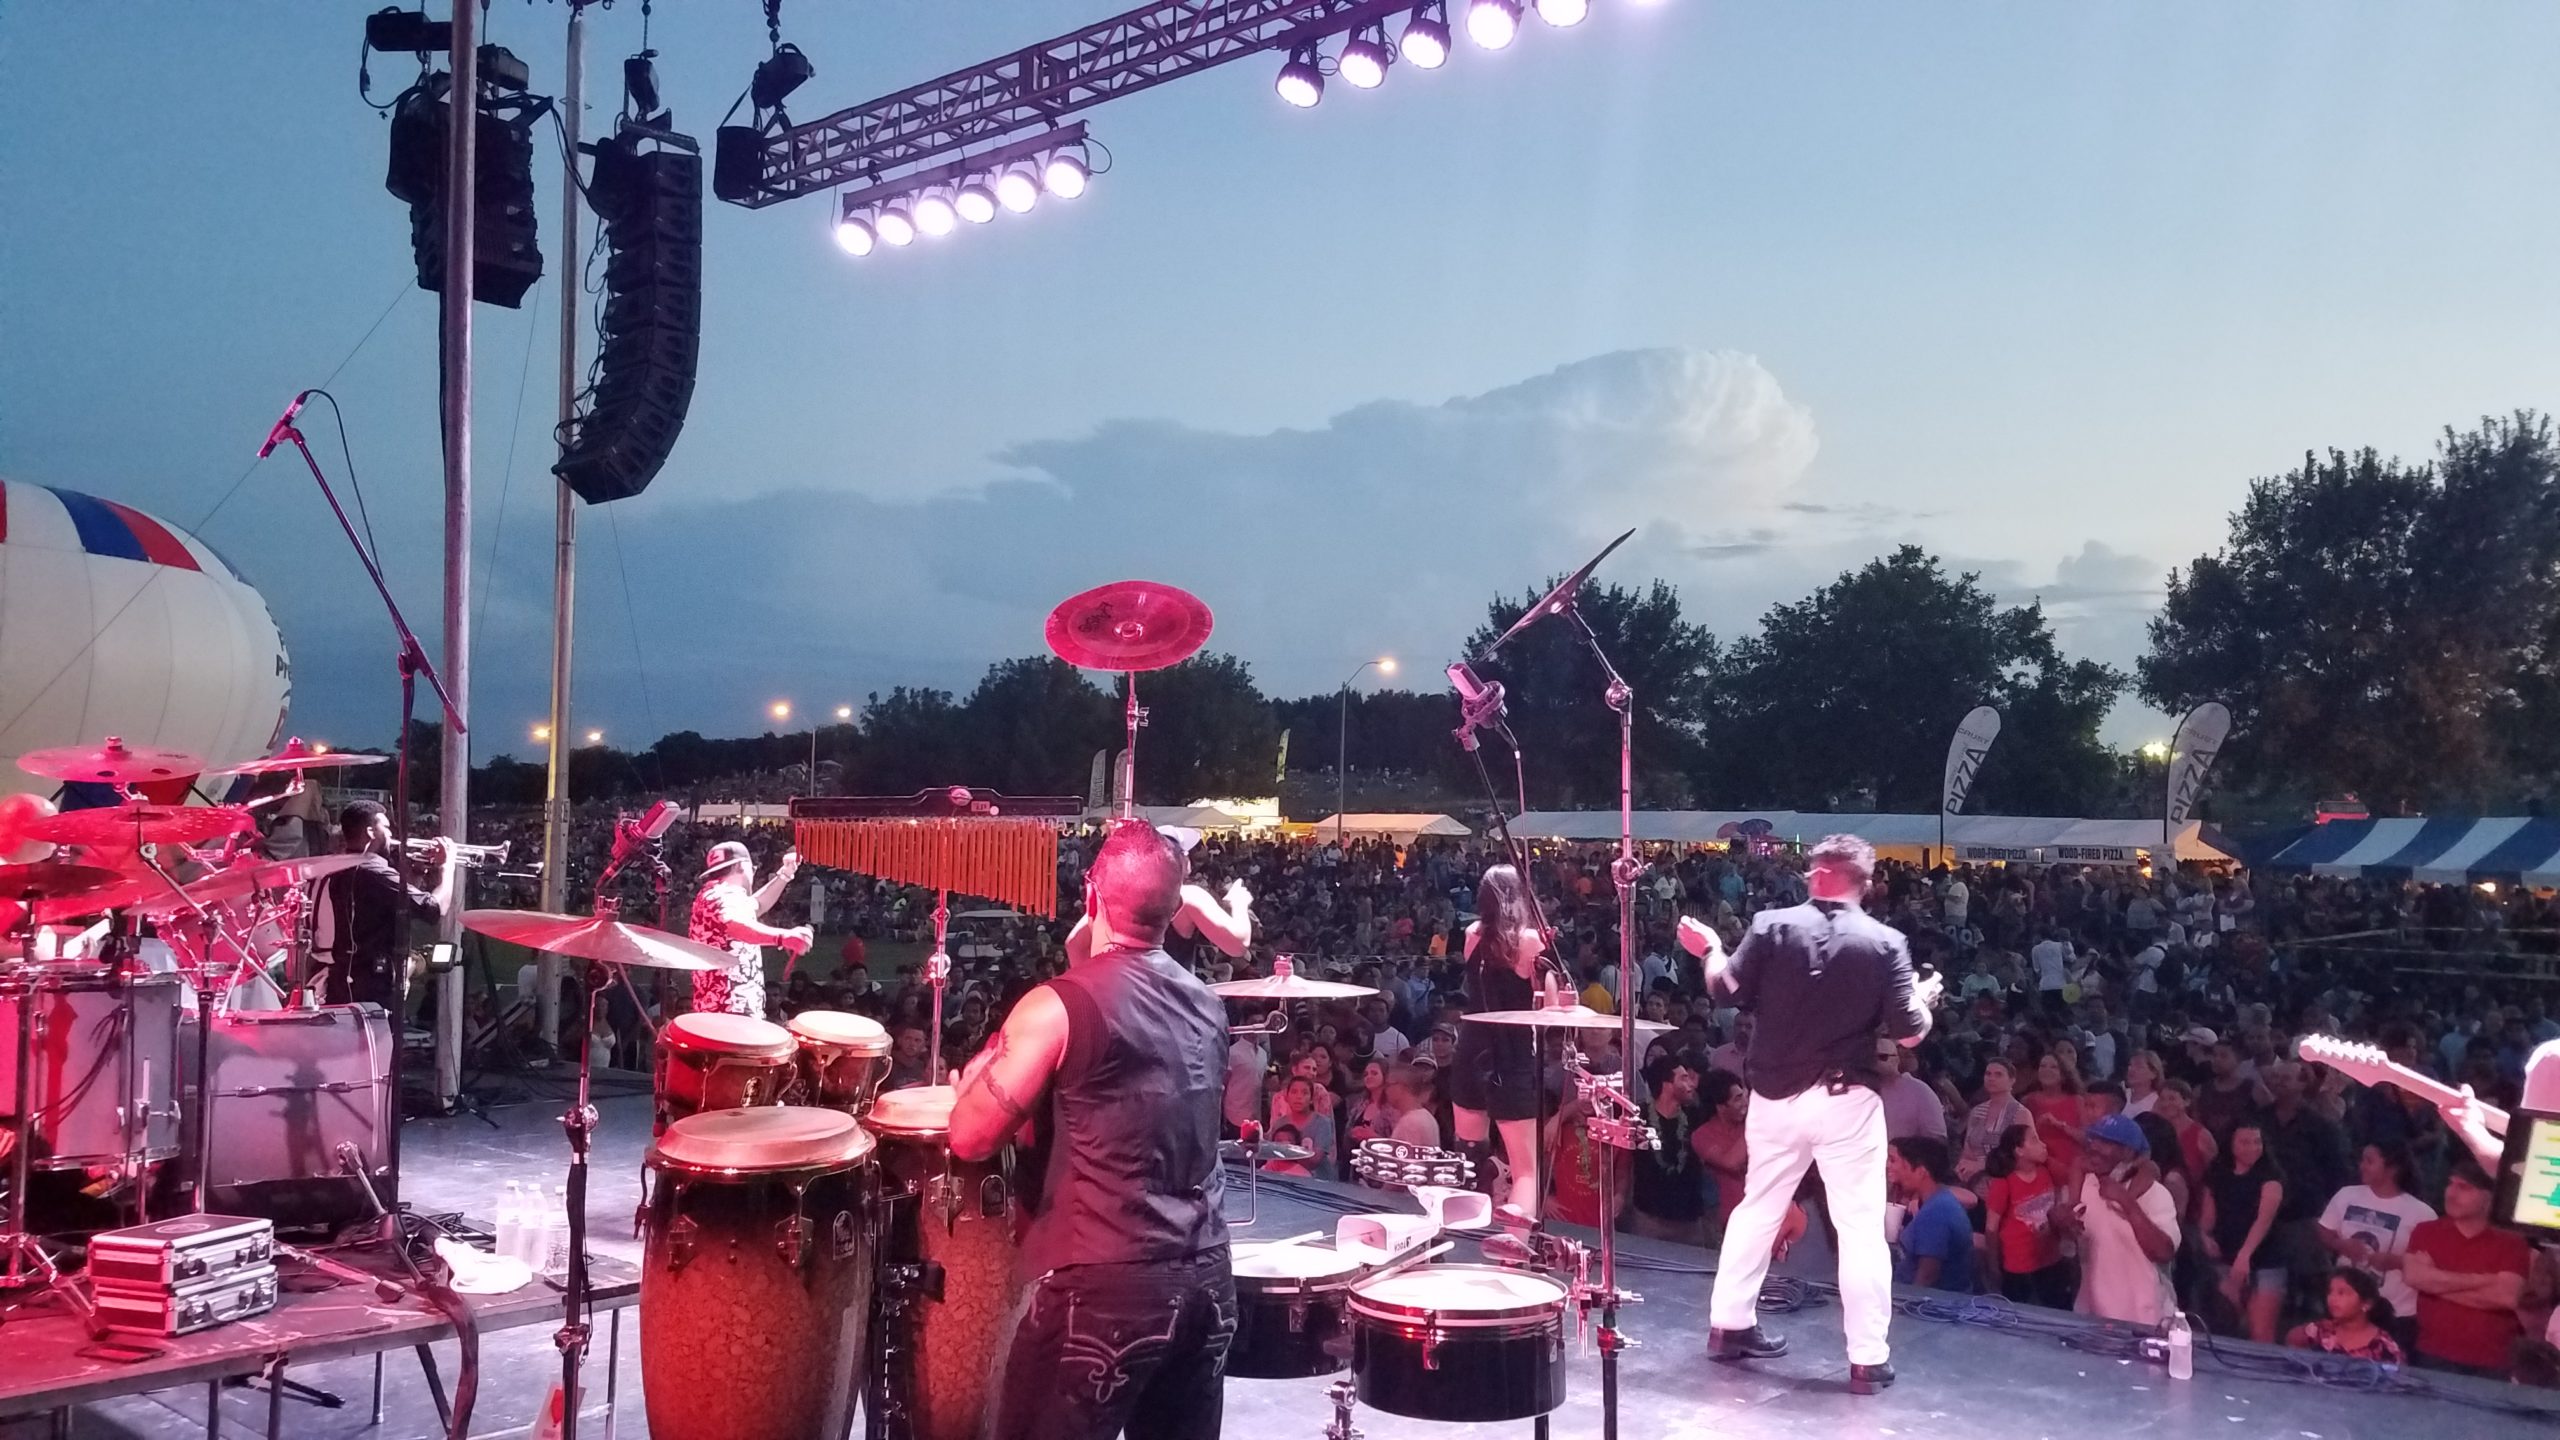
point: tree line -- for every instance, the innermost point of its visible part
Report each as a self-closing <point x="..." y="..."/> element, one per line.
<point x="2378" y="628"/>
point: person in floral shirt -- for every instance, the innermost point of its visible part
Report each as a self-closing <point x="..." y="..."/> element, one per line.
<point x="2357" y="1324"/>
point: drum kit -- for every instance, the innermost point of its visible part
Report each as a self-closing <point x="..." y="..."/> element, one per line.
<point x="96" y="1011"/>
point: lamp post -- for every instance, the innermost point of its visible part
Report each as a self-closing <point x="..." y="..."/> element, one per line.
<point x="1342" y="742"/>
<point x="780" y="710"/>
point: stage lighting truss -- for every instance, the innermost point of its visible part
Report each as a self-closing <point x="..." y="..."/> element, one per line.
<point x="974" y="190"/>
<point x="1424" y="43"/>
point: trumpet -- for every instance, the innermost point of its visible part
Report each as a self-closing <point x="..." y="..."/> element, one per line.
<point x="474" y="857"/>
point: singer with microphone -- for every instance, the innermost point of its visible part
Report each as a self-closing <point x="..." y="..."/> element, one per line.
<point x="728" y="913"/>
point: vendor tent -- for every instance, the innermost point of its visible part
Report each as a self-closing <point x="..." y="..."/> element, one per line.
<point x="1400" y="827"/>
<point x="2441" y="850"/>
<point x="2024" y="839"/>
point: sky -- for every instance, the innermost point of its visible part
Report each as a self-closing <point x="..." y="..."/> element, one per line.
<point x="1779" y="283"/>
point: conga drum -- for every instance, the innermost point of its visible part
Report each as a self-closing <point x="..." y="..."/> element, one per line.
<point x="842" y="1059"/>
<point x="755" y="1280"/>
<point x="711" y="1061"/>
<point x="938" y="1352"/>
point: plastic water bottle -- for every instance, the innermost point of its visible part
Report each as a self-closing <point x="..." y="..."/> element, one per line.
<point x="555" y="1233"/>
<point x="2182" y="1347"/>
<point x="510" y="1220"/>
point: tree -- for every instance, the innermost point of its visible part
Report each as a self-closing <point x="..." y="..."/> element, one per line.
<point x="1555" y="695"/>
<point x="912" y="739"/>
<point x="1209" y="732"/>
<point x="1846" y="699"/>
<point x="2381" y="628"/>
<point x="1033" y="724"/>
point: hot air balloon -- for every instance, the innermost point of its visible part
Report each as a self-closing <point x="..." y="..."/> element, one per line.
<point x="113" y="622"/>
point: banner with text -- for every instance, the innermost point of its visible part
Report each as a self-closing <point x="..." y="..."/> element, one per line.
<point x="1964" y="756"/>
<point x="2200" y="738"/>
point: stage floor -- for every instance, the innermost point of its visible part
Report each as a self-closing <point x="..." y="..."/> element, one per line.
<point x="1955" y="1379"/>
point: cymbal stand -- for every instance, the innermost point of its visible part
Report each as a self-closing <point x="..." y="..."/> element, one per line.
<point x="28" y="1267"/>
<point x="1343" y="1394"/>
<point x="580" y="1122"/>
<point x="937" y="975"/>
<point x="1137" y="719"/>
<point x="214" y="933"/>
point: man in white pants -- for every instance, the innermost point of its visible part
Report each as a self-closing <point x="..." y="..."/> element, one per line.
<point x="1824" y="979"/>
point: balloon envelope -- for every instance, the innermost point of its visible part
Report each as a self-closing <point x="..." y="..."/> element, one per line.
<point x="114" y="622"/>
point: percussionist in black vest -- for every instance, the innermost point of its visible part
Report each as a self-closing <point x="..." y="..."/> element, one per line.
<point x="1119" y="1064"/>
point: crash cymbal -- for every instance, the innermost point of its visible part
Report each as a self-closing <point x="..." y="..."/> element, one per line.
<point x="1129" y="625"/>
<point x="588" y="937"/>
<point x="1557" y="599"/>
<point x="1283" y="983"/>
<point x="114" y="763"/>
<point x="1566" y="1017"/>
<point x="141" y="822"/>
<point x="298" y="756"/>
<point x="227" y="885"/>
<point x="55" y="880"/>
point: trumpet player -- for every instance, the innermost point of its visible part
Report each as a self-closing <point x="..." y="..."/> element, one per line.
<point x="360" y="934"/>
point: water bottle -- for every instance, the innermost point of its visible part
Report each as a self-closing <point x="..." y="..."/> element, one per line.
<point x="2182" y="1347"/>
<point x="555" y="1232"/>
<point x="510" y="1220"/>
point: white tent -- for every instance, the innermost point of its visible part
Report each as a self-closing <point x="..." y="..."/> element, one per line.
<point x="2025" y="839"/>
<point x="1400" y="827"/>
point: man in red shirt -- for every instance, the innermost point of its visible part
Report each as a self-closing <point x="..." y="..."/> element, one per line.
<point x="2468" y="1275"/>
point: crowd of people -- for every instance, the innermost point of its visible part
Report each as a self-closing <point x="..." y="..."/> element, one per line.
<point x="2108" y="1114"/>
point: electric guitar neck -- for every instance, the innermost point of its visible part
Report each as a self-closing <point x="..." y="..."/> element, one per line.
<point x="2367" y="1063"/>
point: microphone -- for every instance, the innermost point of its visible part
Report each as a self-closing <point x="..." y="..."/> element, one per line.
<point x="659" y="818"/>
<point x="630" y="834"/>
<point x="1479" y="701"/>
<point x="283" y="426"/>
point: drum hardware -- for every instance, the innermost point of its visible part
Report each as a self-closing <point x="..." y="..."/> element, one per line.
<point x="113" y="763"/>
<point x="1284" y="983"/>
<point x="598" y="940"/>
<point x="136" y="823"/>
<point x="296" y="759"/>
<point x="1344" y="1394"/>
<point x="1129" y="626"/>
<point x="1402" y="1165"/>
<point x="28" y="1266"/>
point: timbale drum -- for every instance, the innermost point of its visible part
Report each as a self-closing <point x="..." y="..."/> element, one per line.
<point x="755" y="1281"/>
<point x="947" y="1255"/>
<point x="711" y="1061"/>
<point x="104" y="1072"/>
<point x="1459" y="1343"/>
<point x="1292" y="1311"/>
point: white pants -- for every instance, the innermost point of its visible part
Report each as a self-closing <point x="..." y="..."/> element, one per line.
<point x="1844" y="1135"/>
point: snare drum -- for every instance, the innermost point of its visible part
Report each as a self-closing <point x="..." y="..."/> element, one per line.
<point x="711" y="1061"/>
<point x="103" y="1084"/>
<point x="1459" y="1343"/>
<point x="755" y="1284"/>
<point x="842" y="1059"/>
<point x="938" y="1352"/>
<point x="1291" y="1303"/>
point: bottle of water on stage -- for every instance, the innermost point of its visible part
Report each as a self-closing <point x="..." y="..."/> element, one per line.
<point x="510" y="1220"/>
<point x="555" y="1233"/>
<point x="2182" y="1347"/>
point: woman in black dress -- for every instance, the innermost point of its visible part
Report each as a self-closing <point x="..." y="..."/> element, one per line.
<point x="1494" y="1076"/>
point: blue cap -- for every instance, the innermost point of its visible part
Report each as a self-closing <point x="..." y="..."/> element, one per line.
<point x="2120" y="1130"/>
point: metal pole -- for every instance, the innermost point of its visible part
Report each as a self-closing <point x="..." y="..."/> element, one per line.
<point x="461" y="169"/>
<point x="1341" y="763"/>
<point x="564" y="552"/>
<point x="813" y="756"/>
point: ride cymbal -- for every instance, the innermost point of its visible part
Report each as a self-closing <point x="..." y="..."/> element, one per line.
<point x="114" y="763"/>
<point x="589" y="937"/>
<point x="140" y="822"/>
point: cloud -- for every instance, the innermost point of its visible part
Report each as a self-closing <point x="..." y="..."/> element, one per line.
<point x="2100" y="573"/>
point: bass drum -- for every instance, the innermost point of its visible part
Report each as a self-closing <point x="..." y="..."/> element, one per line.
<point x="1292" y="1311"/>
<point x="755" y="1280"/>
<point x="105" y="1074"/>
<point x="1459" y="1343"/>
<point x="946" y="1218"/>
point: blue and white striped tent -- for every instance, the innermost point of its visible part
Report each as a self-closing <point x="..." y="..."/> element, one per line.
<point x="2443" y="850"/>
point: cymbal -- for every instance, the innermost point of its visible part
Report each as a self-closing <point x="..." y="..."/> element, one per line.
<point x="1129" y="625"/>
<point x="1566" y="1017"/>
<point x="1265" y="1150"/>
<point x="140" y="822"/>
<point x="589" y="937"/>
<point x="298" y="756"/>
<point x="240" y="880"/>
<point x="114" y="763"/>
<point x="1284" y="983"/>
<point x="1557" y="599"/>
<point x="55" y="880"/>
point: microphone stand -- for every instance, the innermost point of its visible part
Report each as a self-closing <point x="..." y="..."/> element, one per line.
<point x="413" y="663"/>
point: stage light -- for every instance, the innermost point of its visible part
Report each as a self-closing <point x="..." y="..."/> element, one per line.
<point x="975" y="202"/>
<point x="934" y="215"/>
<point x="854" y="237"/>
<point x="1363" y="65"/>
<point x="1018" y="188"/>
<point x="1425" y="41"/>
<point x="1300" y="82"/>
<point x="1561" y="13"/>
<point x="1493" y="23"/>
<point x="1066" y="175"/>
<point x="896" y="226"/>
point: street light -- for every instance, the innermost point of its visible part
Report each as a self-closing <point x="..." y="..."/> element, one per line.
<point x="1342" y="742"/>
<point x="595" y="737"/>
<point x="541" y="734"/>
<point x="844" y="713"/>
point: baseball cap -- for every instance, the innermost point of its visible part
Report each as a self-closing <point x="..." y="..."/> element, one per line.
<point x="2201" y="1035"/>
<point x="2120" y="1130"/>
<point x="723" y="856"/>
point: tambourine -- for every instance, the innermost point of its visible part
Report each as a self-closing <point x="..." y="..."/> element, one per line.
<point x="1402" y="1165"/>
